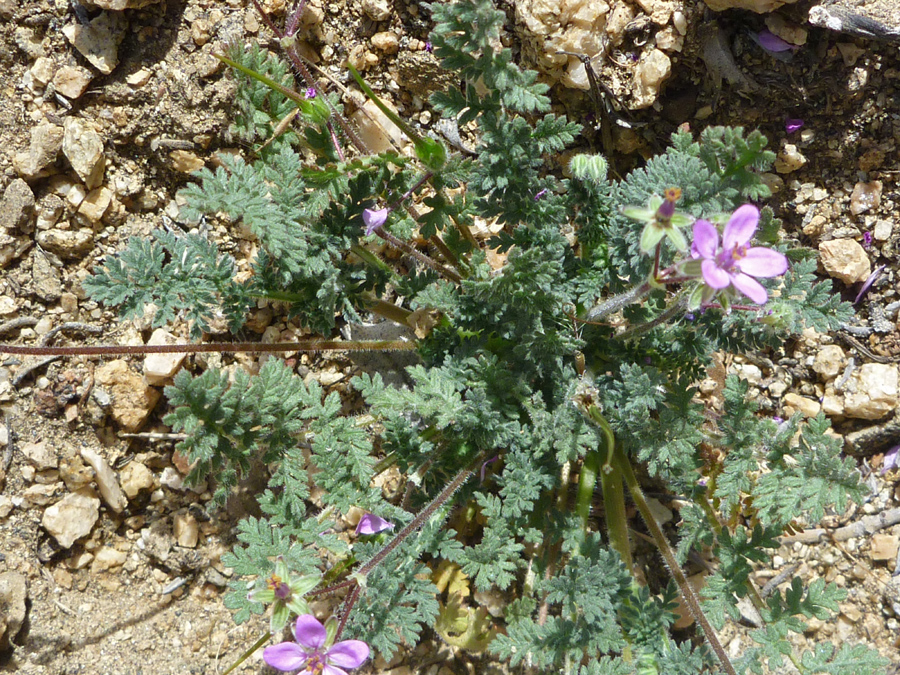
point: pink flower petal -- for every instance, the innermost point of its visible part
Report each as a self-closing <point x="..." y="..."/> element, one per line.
<point x="348" y="654"/>
<point x="715" y="276"/>
<point x="330" y="670"/>
<point x="772" y="43"/>
<point x="751" y="288"/>
<point x="890" y="459"/>
<point x="763" y="262"/>
<point x="706" y="239"/>
<point x="374" y="219"/>
<point x="285" y="656"/>
<point x="310" y="633"/>
<point x="372" y="524"/>
<point x="741" y="227"/>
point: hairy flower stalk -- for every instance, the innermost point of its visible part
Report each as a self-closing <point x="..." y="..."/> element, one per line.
<point x="358" y="578"/>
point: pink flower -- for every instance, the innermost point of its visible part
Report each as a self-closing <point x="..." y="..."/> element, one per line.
<point x="311" y="652"/>
<point x="374" y="219"/>
<point x="372" y="524"/>
<point x="734" y="264"/>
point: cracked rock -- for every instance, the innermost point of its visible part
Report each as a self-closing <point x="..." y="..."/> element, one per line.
<point x="13" y="607"/>
<point x="46" y="140"/>
<point x="17" y="207"/>
<point x="83" y="147"/>
<point x="72" y="517"/>
<point x="846" y="260"/>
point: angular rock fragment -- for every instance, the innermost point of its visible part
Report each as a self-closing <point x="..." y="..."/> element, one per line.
<point x="106" y="480"/>
<point x="13" y="607"/>
<point x="46" y="140"/>
<point x="83" y="147"/>
<point x="72" y="517"/>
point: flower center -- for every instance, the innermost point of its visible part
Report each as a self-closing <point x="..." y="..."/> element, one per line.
<point x="728" y="260"/>
<point x="282" y="591"/>
<point x="315" y="665"/>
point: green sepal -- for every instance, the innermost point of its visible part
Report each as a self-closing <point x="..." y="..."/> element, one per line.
<point x="591" y="168"/>
<point x="680" y="220"/>
<point x="303" y="585"/>
<point x="696" y="298"/>
<point x="651" y="236"/>
<point x="691" y="268"/>
<point x="281" y="614"/>
<point x="264" y="595"/>
<point x="677" y="238"/>
<point x="331" y="626"/>
<point x="298" y="606"/>
<point x="639" y="213"/>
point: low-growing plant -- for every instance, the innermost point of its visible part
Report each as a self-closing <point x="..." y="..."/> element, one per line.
<point x="559" y="353"/>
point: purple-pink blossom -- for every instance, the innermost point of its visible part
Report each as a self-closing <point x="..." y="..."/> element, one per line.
<point x="372" y="524"/>
<point x="311" y="655"/>
<point x="734" y="263"/>
<point x="374" y="219"/>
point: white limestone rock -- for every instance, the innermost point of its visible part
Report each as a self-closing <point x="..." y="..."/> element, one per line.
<point x="846" y="260"/>
<point x="132" y="398"/>
<point x="135" y="477"/>
<point x="72" y="517"/>
<point x="83" y="147"/>
<point x="829" y="361"/>
<point x="161" y="368"/>
<point x="106" y="480"/>
<point x="872" y="392"/>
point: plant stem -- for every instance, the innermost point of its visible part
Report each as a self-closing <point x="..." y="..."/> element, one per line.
<point x="670" y="312"/>
<point x="243" y="657"/>
<point x="228" y="347"/>
<point x="618" y="302"/>
<point x="358" y="577"/>
<point x="389" y="311"/>
<point x="611" y="481"/>
<point x="417" y="522"/>
<point x="371" y="259"/>
<point x="418" y="255"/>
<point x="687" y="592"/>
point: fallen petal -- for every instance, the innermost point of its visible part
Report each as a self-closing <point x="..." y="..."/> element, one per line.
<point x="373" y="219"/>
<point x="867" y="284"/>
<point x="772" y="43"/>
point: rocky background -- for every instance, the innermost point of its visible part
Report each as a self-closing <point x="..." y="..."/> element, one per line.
<point x="107" y="562"/>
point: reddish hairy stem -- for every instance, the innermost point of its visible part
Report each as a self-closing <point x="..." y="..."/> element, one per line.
<point x="251" y="347"/>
